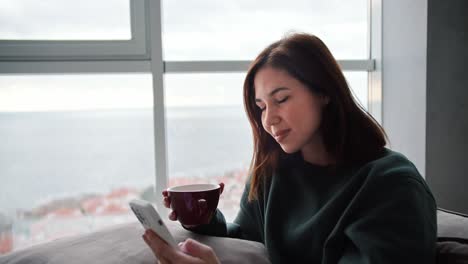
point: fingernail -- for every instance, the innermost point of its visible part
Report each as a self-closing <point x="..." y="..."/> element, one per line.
<point x="180" y="244"/>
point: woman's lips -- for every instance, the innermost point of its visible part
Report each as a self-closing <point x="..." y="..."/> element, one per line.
<point x="281" y="135"/>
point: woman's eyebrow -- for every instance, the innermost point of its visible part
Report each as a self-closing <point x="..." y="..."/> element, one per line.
<point x="273" y="92"/>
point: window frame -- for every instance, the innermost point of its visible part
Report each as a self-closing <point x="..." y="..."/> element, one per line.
<point x="85" y="50"/>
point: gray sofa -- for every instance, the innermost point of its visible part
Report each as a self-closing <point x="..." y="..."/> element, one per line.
<point x="452" y="245"/>
<point x="123" y="244"/>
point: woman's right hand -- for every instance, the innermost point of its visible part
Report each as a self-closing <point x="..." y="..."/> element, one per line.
<point x="167" y="204"/>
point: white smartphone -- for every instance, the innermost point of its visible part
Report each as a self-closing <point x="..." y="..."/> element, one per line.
<point x="150" y="219"/>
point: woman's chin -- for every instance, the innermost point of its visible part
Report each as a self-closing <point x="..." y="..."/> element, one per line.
<point x="288" y="149"/>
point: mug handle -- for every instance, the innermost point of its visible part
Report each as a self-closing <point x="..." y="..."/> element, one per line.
<point x="221" y="188"/>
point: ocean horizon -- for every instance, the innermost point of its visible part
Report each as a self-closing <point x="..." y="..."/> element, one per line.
<point x="49" y="155"/>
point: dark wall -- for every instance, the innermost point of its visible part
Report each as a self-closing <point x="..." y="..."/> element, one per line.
<point x="447" y="103"/>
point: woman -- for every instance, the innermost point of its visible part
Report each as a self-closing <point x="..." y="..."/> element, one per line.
<point x="323" y="188"/>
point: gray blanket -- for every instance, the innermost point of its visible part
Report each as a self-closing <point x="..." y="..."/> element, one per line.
<point x="124" y="244"/>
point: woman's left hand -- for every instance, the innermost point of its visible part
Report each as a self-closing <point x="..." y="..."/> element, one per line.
<point x="190" y="251"/>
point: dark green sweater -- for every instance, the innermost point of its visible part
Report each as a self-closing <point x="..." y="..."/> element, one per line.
<point x="382" y="212"/>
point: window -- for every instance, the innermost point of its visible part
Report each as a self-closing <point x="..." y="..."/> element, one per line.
<point x="76" y="113"/>
<point x="65" y="20"/>
<point x="239" y="30"/>
<point x="90" y="100"/>
<point x="208" y="135"/>
<point x="358" y="81"/>
<point x="70" y="31"/>
<point x="75" y="150"/>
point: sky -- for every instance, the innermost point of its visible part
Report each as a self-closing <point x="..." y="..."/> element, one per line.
<point x="192" y="30"/>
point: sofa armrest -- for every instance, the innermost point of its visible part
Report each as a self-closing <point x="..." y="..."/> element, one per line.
<point x="452" y="238"/>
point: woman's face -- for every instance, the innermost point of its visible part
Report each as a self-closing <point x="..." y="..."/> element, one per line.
<point x="291" y="113"/>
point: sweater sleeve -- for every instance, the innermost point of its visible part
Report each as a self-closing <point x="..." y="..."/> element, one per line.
<point x="249" y="221"/>
<point x="393" y="224"/>
<point x="216" y="227"/>
<point x="245" y="226"/>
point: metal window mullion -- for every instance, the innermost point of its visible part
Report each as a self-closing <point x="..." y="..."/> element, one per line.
<point x="26" y="67"/>
<point x="73" y="67"/>
<point x="375" y="78"/>
<point x="140" y="27"/>
<point x="157" y="69"/>
<point x="242" y="66"/>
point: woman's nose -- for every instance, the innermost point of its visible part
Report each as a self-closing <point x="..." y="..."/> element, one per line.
<point x="271" y="117"/>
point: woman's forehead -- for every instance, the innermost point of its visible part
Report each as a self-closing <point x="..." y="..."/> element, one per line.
<point x="269" y="82"/>
<point x="268" y="79"/>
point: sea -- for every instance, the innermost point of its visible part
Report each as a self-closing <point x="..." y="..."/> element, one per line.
<point x="48" y="155"/>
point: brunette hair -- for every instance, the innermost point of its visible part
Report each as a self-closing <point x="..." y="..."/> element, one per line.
<point x="349" y="132"/>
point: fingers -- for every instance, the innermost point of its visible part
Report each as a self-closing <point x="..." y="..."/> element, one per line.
<point x="173" y="216"/>
<point x="163" y="261"/>
<point x="167" y="202"/>
<point x="166" y="199"/>
<point x="191" y="250"/>
<point x="167" y="254"/>
<point x="198" y="250"/>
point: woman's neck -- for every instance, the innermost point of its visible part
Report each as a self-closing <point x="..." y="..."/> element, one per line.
<point x="316" y="153"/>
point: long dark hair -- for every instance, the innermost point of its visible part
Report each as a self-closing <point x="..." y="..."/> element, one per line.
<point x="349" y="132"/>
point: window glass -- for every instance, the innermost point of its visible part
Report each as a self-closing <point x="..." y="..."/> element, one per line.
<point x="65" y="20"/>
<point x="358" y="82"/>
<point x="239" y="30"/>
<point x="208" y="135"/>
<point x="75" y="149"/>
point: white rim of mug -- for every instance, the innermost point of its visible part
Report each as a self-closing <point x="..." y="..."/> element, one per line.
<point x="194" y="188"/>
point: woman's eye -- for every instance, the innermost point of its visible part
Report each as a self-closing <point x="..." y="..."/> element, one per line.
<point x="283" y="100"/>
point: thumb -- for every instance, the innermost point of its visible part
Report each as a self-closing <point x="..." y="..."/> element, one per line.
<point x="196" y="249"/>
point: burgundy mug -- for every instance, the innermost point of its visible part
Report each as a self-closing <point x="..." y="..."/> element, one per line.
<point x="195" y="204"/>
